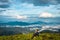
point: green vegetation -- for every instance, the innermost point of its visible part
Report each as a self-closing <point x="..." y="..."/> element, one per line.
<point x="43" y="36"/>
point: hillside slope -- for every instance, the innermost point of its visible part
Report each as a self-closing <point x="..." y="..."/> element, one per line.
<point x="43" y="36"/>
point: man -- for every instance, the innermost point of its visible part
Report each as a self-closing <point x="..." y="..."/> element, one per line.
<point x="35" y="34"/>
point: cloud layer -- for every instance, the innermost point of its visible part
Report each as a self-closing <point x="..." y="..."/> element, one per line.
<point x="40" y="2"/>
<point x="29" y="8"/>
<point x="4" y="3"/>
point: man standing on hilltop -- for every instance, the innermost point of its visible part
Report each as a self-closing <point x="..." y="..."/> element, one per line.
<point x="35" y="34"/>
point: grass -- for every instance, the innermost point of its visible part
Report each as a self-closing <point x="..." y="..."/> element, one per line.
<point x="43" y="36"/>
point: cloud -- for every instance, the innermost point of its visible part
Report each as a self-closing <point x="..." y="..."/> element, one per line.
<point x="4" y="6"/>
<point x="4" y="3"/>
<point x="51" y="28"/>
<point x="4" y="0"/>
<point x="26" y="8"/>
<point x="40" y="2"/>
<point x="46" y="14"/>
<point x="19" y="17"/>
<point x="7" y="3"/>
<point x="31" y="8"/>
<point x="13" y="14"/>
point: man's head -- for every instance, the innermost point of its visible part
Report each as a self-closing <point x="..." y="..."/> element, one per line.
<point x="37" y="30"/>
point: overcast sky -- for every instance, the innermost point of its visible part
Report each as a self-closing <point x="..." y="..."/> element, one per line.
<point x="23" y="9"/>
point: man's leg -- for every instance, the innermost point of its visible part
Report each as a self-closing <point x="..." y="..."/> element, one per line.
<point x="32" y="37"/>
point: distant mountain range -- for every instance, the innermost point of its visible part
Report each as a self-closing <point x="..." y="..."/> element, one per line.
<point x="27" y="23"/>
<point x="20" y="30"/>
<point x="21" y="23"/>
<point x="16" y="30"/>
<point x="15" y="23"/>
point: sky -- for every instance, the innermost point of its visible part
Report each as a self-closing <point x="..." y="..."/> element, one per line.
<point x="12" y="10"/>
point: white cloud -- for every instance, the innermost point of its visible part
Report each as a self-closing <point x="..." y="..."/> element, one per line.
<point x="21" y="17"/>
<point x="51" y="28"/>
<point x="46" y="14"/>
<point x="27" y="5"/>
<point x="26" y="8"/>
<point x="14" y="14"/>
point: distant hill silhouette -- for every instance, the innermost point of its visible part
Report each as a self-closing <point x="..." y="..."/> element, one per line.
<point x="19" y="30"/>
<point x="18" y="23"/>
<point x="22" y="23"/>
<point x="39" y="22"/>
<point x="15" y="23"/>
<point x="27" y="23"/>
<point x="13" y="30"/>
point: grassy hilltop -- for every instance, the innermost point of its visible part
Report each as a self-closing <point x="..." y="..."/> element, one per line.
<point x="43" y="36"/>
